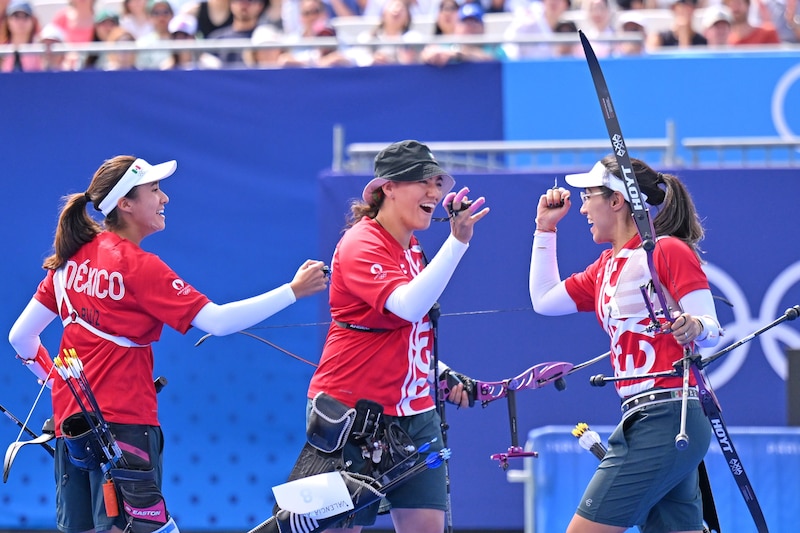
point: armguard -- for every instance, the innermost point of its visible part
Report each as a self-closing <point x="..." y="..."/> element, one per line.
<point x="41" y="365"/>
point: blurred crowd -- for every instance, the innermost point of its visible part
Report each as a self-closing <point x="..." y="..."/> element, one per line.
<point x="282" y="33"/>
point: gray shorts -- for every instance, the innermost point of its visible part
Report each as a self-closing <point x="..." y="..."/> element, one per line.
<point x="79" y="493"/>
<point x="644" y="480"/>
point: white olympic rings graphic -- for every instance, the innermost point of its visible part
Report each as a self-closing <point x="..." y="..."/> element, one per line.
<point x="779" y="103"/>
<point x="744" y="324"/>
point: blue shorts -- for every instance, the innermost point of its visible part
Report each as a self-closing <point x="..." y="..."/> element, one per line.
<point x="79" y="493"/>
<point x="644" y="480"/>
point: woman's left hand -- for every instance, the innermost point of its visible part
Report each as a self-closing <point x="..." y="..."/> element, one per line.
<point x="462" y="220"/>
<point x="685" y="328"/>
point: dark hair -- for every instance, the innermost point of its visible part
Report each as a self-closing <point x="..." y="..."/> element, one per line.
<point x="360" y="209"/>
<point x="75" y="226"/>
<point x="565" y="26"/>
<point x="677" y="215"/>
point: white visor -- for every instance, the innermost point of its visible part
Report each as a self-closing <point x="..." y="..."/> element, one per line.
<point x="599" y="176"/>
<point x="139" y="173"/>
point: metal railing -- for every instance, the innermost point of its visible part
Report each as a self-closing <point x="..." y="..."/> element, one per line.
<point x="499" y="156"/>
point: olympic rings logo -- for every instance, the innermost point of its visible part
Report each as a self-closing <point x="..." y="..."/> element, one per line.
<point x="744" y="324"/>
<point x="779" y="103"/>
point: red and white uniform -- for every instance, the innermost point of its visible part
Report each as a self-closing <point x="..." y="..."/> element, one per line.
<point x="611" y="288"/>
<point x="390" y="367"/>
<point x="123" y="291"/>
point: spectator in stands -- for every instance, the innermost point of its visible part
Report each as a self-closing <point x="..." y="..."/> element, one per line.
<point x="314" y="23"/>
<point x="630" y="5"/>
<point x="183" y="27"/>
<point x="394" y="28"/>
<point x="119" y="60"/>
<point x="446" y="18"/>
<point x="135" y="18"/>
<point x="374" y="8"/>
<point x="3" y="22"/>
<point x="76" y="21"/>
<point x="313" y="18"/>
<point x="263" y="57"/>
<point x="470" y="22"/>
<point x="294" y="23"/>
<point x="348" y="8"/>
<point x="23" y="27"/>
<point x="50" y="35"/>
<point x="211" y="15"/>
<point x="742" y="32"/>
<point x="597" y="24"/>
<point x="246" y="15"/>
<point x="682" y="33"/>
<point x="784" y="16"/>
<point x="160" y="13"/>
<point x="716" y="23"/>
<point x="631" y="22"/>
<point x="104" y="23"/>
<point x="567" y="49"/>
<point x="539" y="19"/>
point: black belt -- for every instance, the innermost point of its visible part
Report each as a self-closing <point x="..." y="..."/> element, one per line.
<point x="356" y="327"/>
<point x="655" y="396"/>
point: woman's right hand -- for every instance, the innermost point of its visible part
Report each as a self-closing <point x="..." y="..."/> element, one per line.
<point x="553" y="206"/>
<point x="311" y="278"/>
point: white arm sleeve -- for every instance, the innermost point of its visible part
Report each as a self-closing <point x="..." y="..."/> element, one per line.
<point x="700" y="304"/>
<point x="24" y="334"/>
<point x="412" y="300"/>
<point x="235" y="316"/>
<point x="549" y="295"/>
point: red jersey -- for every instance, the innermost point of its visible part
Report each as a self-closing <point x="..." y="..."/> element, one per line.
<point x="121" y="290"/>
<point x="391" y="365"/>
<point x="611" y="288"/>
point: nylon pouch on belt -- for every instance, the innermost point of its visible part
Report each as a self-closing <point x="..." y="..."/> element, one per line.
<point x="83" y="448"/>
<point x="140" y="499"/>
<point x="369" y="419"/>
<point x="329" y="423"/>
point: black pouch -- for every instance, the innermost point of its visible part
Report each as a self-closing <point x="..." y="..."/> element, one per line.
<point x="329" y="423"/>
<point x="83" y="447"/>
<point x="140" y="499"/>
<point x="134" y="443"/>
<point x="369" y="416"/>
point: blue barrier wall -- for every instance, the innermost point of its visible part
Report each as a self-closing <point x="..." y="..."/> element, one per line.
<point x="771" y="458"/>
<point x="248" y="205"/>
<point x="704" y="95"/>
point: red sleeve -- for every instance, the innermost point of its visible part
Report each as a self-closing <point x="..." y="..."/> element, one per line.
<point x="163" y="293"/>
<point x="45" y="294"/>
<point x="678" y="267"/>
<point x="582" y="286"/>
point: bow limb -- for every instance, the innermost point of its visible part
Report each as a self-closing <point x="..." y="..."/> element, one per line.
<point x="641" y="215"/>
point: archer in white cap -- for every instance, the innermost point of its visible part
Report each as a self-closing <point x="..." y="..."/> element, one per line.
<point x="639" y="481"/>
<point x="113" y="299"/>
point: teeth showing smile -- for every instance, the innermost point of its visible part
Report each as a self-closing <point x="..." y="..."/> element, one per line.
<point x="428" y="207"/>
